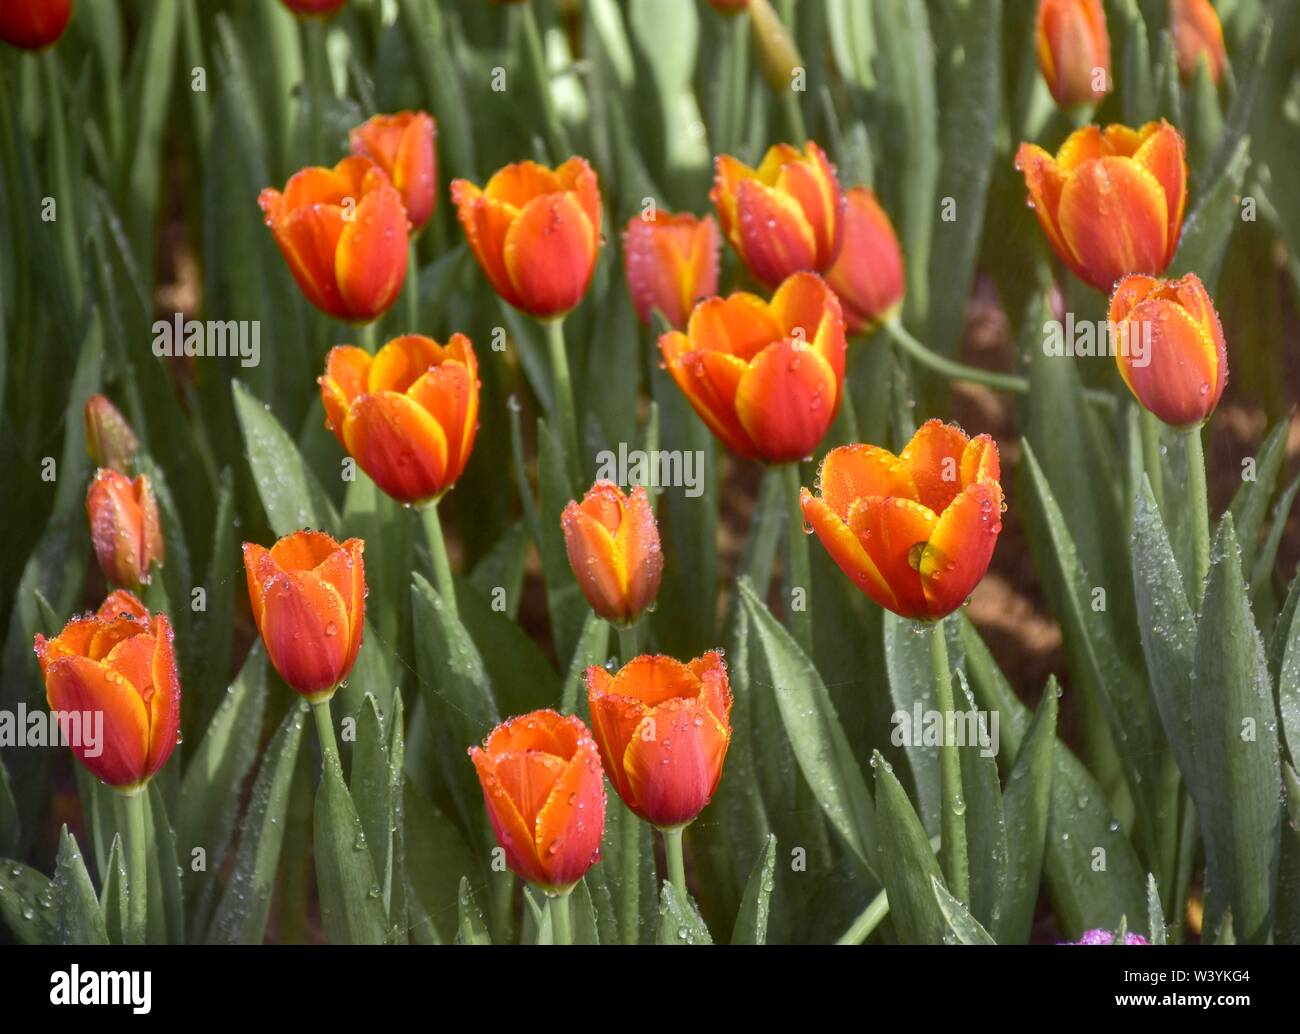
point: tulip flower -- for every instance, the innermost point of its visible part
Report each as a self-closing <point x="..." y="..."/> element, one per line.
<point x="118" y="663"/>
<point x="1074" y="50"/>
<point x="1111" y="202"/>
<point x="868" y="275"/>
<point x="1171" y="350"/>
<point x="1197" y="34"/>
<point x="545" y="796"/>
<point x="408" y="415"/>
<point x="784" y="216"/>
<point x="767" y="377"/>
<point x="916" y="531"/>
<point x="308" y="595"/>
<point x="728" y="6"/>
<point x="110" y="442"/>
<point x="33" y="24"/>
<point x="662" y="728"/>
<point x="403" y="145"/>
<point x="613" y="546"/>
<point x="1108" y="937"/>
<point x="671" y="262"/>
<point x="343" y="232"/>
<point x="124" y="527"/>
<point x="535" y="233"/>
<point x="313" y="8"/>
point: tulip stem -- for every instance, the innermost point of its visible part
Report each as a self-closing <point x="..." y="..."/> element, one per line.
<point x="564" y="413"/>
<point x="799" y="563"/>
<point x="867" y="922"/>
<point x="1200" y="502"/>
<point x="317" y="61"/>
<point x="438" y="553"/>
<point x="329" y="747"/>
<point x="628" y="647"/>
<point x="413" y="286"/>
<point x="1149" y="428"/>
<point x="629" y="825"/>
<point x="676" y="863"/>
<point x="137" y="899"/>
<point x="952" y="844"/>
<point x="951" y="368"/>
<point x="561" y="919"/>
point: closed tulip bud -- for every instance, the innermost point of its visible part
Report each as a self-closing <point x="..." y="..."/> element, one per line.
<point x="119" y="663"/>
<point x="1111" y="202"/>
<point x="408" y="415"/>
<point x="545" y="796"/>
<point x="662" y="728"/>
<point x="784" y="216"/>
<point x="535" y="233"/>
<point x="308" y="595"/>
<point x="671" y="262"/>
<point x="313" y="8"/>
<point x="778" y="57"/>
<point x="1197" y="34"/>
<point x="1171" y="350"/>
<point x="613" y="546"/>
<point x="916" y="531"/>
<point x="343" y="232"/>
<point x="767" y="377"/>
<point x="1074" y="50"/>
<point x="868" y="275"/>
<point x="404" y="146"/>
<point x="110" y="442"/>
<point x="33" y="24"/>
<point x="124" y="527"/>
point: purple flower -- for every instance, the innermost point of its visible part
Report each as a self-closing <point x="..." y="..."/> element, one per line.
<point x="1100" y="936"/>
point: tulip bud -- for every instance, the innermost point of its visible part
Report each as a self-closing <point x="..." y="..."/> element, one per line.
<point x="308" y="595"/>
<point x="403" y="145"/>
<point x="1197" y="34"/>
<point x="868" y="275"/>
<point x="33" y="24"/>
<point x="1111" y="202"/>
<point x="407" y="415"/>
<point x="767" y="377"/>
<point x="124" y="528"/>
<point x="915" y="531"/>
<point x="663" y="728"/>
<point x="1171" y="350"/>
<point x="778" y="57"/>
<point x="1074" y="50"/>
<point x="1100" y="936"/>
<point x="613" y="546"/>
<point x="119" y="663"/>
<point x="671" y="261"/>
<point x="545" y="796"/>
<point x="313" y="8"/>
<point x="110" y="442"/>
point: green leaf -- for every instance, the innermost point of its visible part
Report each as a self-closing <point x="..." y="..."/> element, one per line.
<point x="1288" y="686"/>
<point x="679" y="922"/>
<point x="1155" y="914"/>
<point x="351" y="899"/>
<point x="25" y="899"/>
<point x="520" y="673"/>
<point x="470" y="926"/>
<point x="751" y="920"/>
<point x="77" y="915"/>
<point x="986" y="830"/>
<point x="372" y="792"/>
<point x="907" y="862"/>
<point x="593" y="648"/>
<point x="1286" y="922"/>
<point x="436" y="852"/>
<point x="9" y="828"/>
<point x="963" y="928"/>
<point x="1250" y="503"/>
<point x="112" y="896"/>
<point x="166" y="894"/>
<point x="585" y="925"/>
<point x="1210" y="222"/>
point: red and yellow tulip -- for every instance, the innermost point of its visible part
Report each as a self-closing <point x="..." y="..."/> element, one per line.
<point x="1111" y="202"/>
<point x="405" y="147"/>
<point x="1198" y="34"/>
<point x="868" y="275"/>
<point x="671" y="262"/>
<point x="408" y="415"/>
<point x="663" y="728"/>
<point x="1171" y="352"/>
<point x="767" y="377"/>
<point x="313" y="8"/>
<point x="545" y="796"/>
<point x="343" y="231"/>
<point x="308" y="596"/>
<point x="33" y="24"/>
<point x="535" y="233"/>
<point x="1074" y="50"/>
<point x="613" y="546"/>
<point x="121" y="664"/>
<point x="915" y="531"/>
<point x="124" y="527"/>
<point x="783" y="217"/>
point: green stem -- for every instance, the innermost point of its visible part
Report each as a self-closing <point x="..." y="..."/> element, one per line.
<point x="58" y="134"/>
<point x="565" y="413"/>
<point x="952" y="845"/>
<point x="949" y="367"/>
<point x="793" y="115"/>
<point x="317" y="83"/>
<point x="329" y="747"/>
<point x="1199" y="500"/>
<point x="676" y="863"/>
<point x="629" y="826"/>
<point x="1189" y="841"/>
<point x="800" y="565"/>
<point x="137" y="877"/>
<point x="867" y="921"/>
<point x="438" y="552"/>
<point x="628" y="645"/>
<point x="736" y="82"/>
<point x="369" y="336"/>
<point x="561" y="919"/>
<point x="557" y="140"/>
<point x="413" y="287"/>
<point x="1149" y="428"/>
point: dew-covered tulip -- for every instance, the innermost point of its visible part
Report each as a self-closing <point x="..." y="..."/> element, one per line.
<point x="671" y="262"/>
<point x="313" y="8"/>
<point x="1073" y="50"/>
<point x="110" y="442"/>
<point x="404" y="145"/>
<point x="1197" y="34"/>
<point x="613" y="546"/>
<point x="33" y="24"/>
<point x="124" y="527"/>
<point x="868" y="275"/>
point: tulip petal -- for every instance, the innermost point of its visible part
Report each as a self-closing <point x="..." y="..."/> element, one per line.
<point x="709" y="380"/>
<point x="847" y="552"/>
<point x="786" y="401"/>
<point x="550" y="253"/>
<point x="308" y="238"/>
<point x="305" y="627"/>
<point x="399" y="444"/>
<point x="1162" y="154"/>
<point x="164" y="703"/>
<point x="303" y="550"/>
<point x="615" y="720"/>
<point x="741" y="324"/>
<point x="674" y="773"/>
<point x="571" y="823"/>
<point x="637" y="543"/>
<point x="776" y="238"/>
<point x="513" y="833"/>
<point x="402" y="362"/>
<point x="980" y="460"/>
<point x="1114" y="217"/>
<point x="894" y="533"/>
<point x="1180" y="379"/>
<point x="596" y="561"/>
<point x="578" y="177"/>
<point x="960" y="547"/>
<point x="347" y="370"/>
<point x="486" y="223"/>
<point x="371" y="260"/>
<point x="78" y="684"/>
<point x="449" y="393"/>
<point x="812" y="183"/>
<point x="850" y="472"/>
<point x="934" y="456"/>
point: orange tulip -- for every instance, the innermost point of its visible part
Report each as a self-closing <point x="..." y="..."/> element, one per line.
<point x="118" y="663"/>
<point x="1074" y="50"/>
<point x="403" y="145"/>
<point x="308" y="595"/>
<point x="663" y="728"/>
<point x="535" y="233"/>
<point x="1197" y="33"/>
<point x="343" y="232"/>
<point x="784" y="216"/>
<point x="671" y="261"/>
<point x="124" y="527"/>
<point x="767" y="377"/>
<point x="33" y="24"/>
<point x="545" y="797"/>
<point x="313" y="8"/>
<point x="110" y="442"/>
<point x="1171" y="350"/>
<point x="1111" y="201"/>
<point x="407" y="415"/>
<point x="613" y="545"/>
<point x="868" y="275"/>
<point x="728" y="6"/>
<point x="915" y="531"/>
